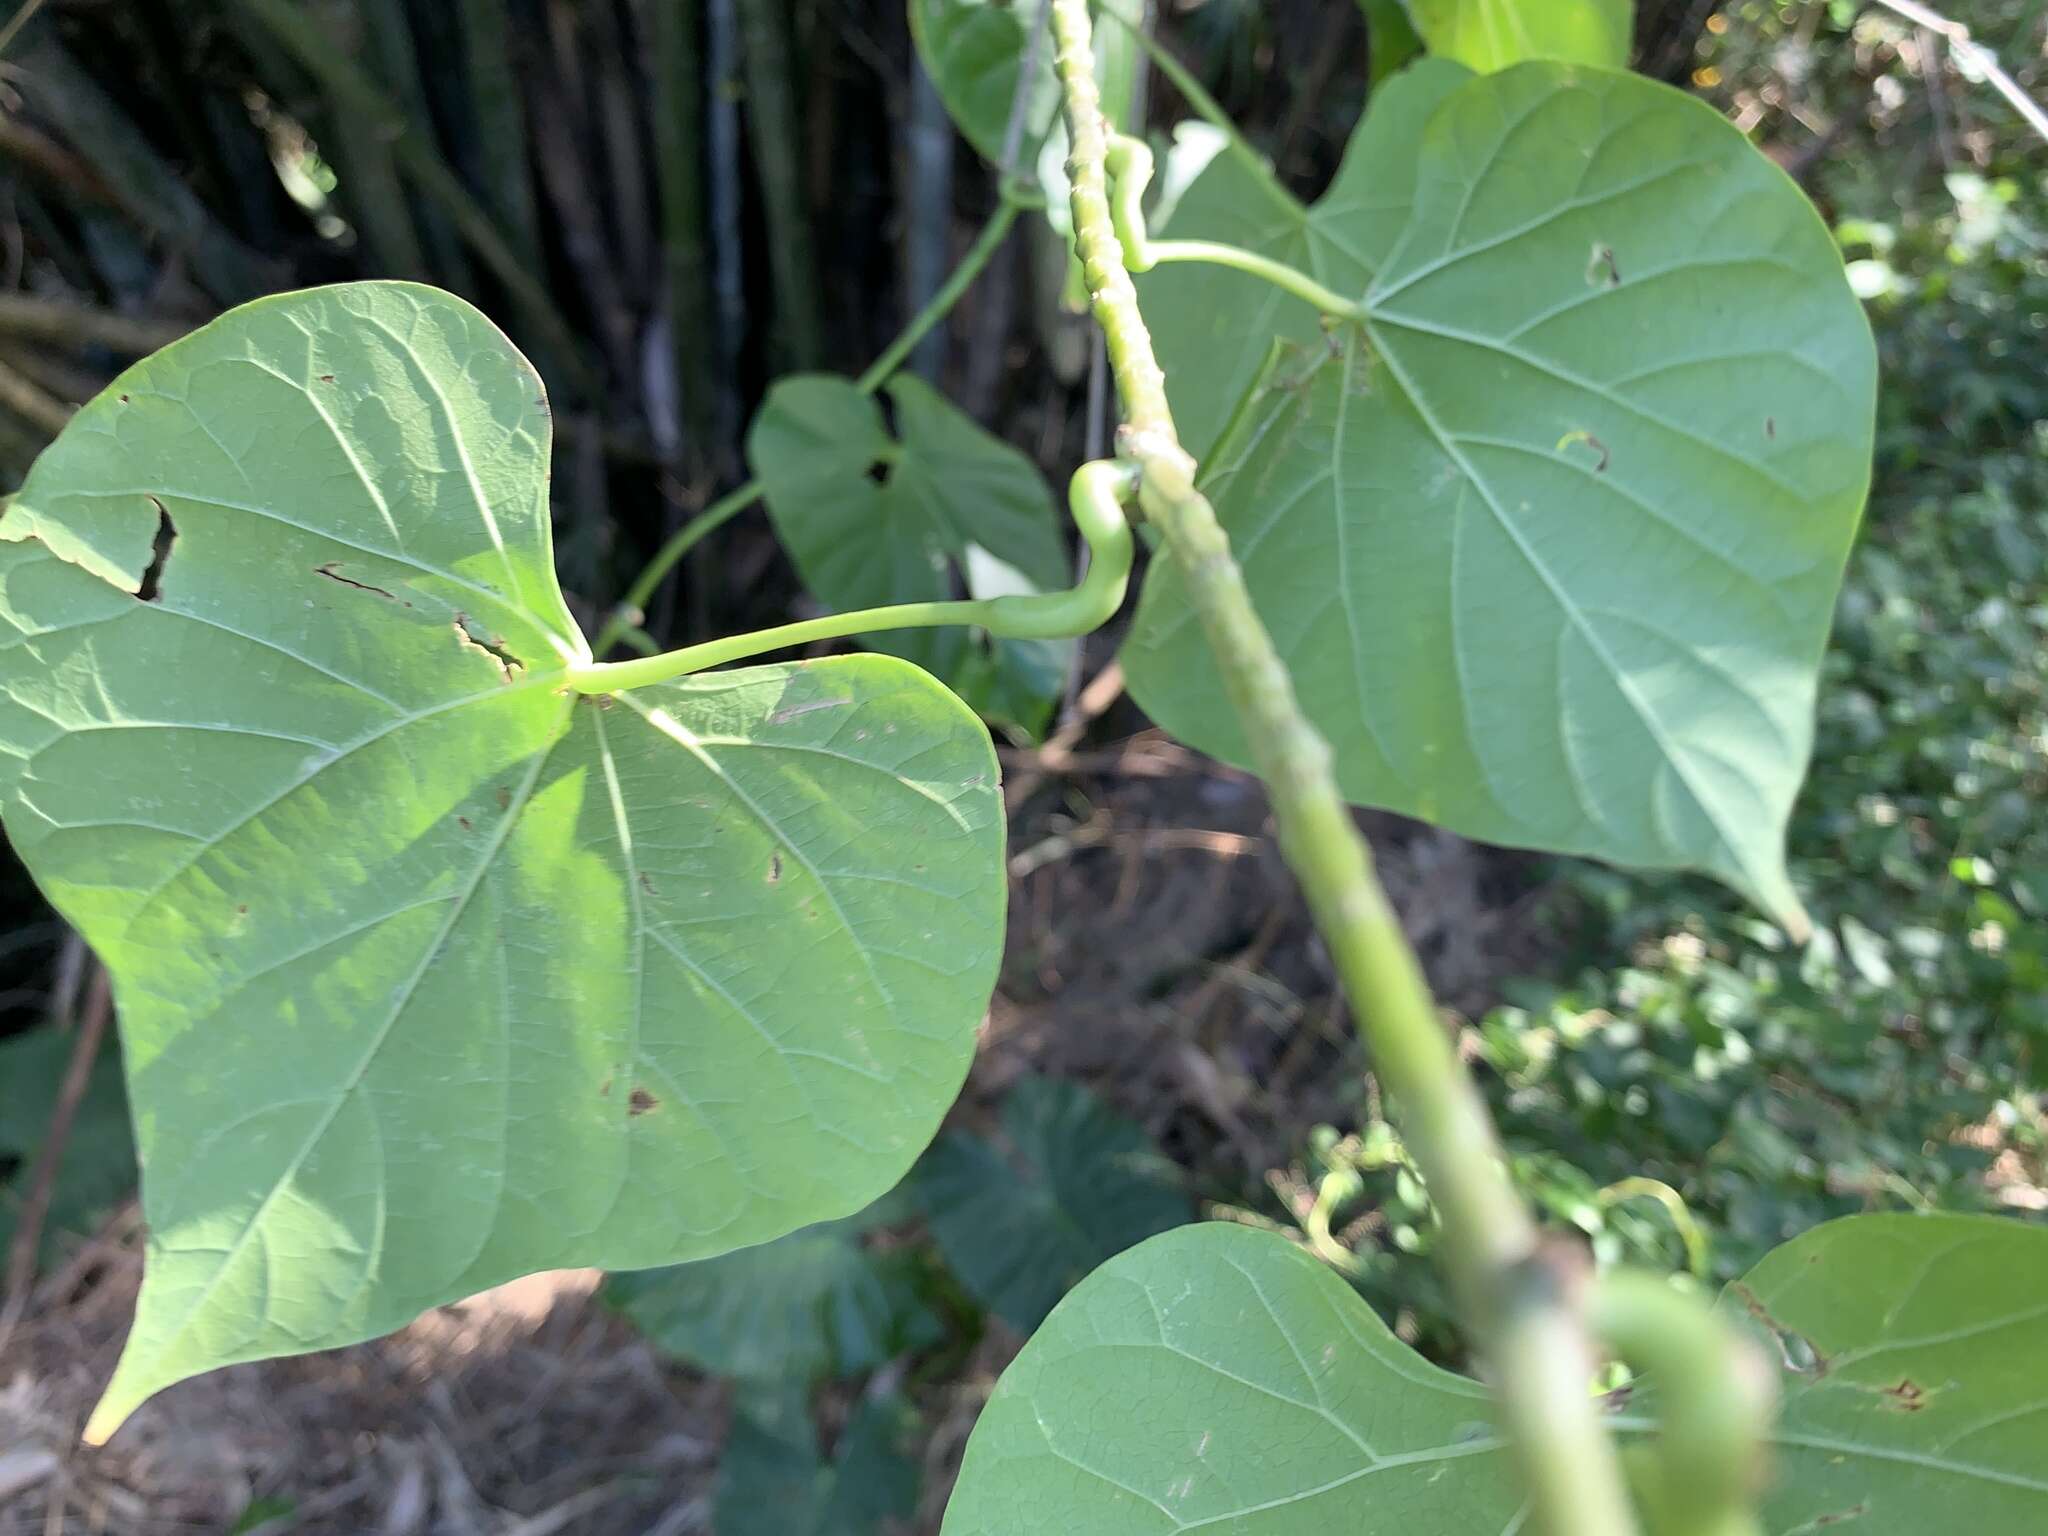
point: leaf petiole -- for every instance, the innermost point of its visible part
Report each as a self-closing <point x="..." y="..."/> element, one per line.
<point x="1015" y="197"/>
<point x="1129" y="164"/>
<point x="1096" y="496"/>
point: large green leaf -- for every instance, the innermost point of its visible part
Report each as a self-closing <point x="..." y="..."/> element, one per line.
<point x="1915" y="1394"/>
<point x="430" y="972"/>
<point x="815" y="1303"/>
<point x="1214" y="326"/>
<point x="1492" y="34"/>
<point x="974" y="51"/>
<point x="953" y="508"/>
<point x="1070" y="1184"/>
<point x="1219" y="1378"/>
<point x="1550" y="541"/>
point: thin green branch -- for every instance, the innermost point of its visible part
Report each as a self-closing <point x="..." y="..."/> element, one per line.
<point x="1129" y="167"/>
<point x="1096" y="497"/>
<point x="1278" y="273"/>
<point x="633" y="606"/>
<point x="941" y="303"/>
<point x="1514" y="1291"/>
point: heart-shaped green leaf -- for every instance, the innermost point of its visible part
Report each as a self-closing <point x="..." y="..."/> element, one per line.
<point x="948" y="507"/>
<point x="1550" y="541"/>
<point x="1212" y="326"/>
<point x="432" y="972"/>
<point x="1072" y="1183"/>
<point x="1492" y="34"/>
<point x="1219" y="1378"/>
<point x="974" y="50"/>
<point x="813" y="1304"/>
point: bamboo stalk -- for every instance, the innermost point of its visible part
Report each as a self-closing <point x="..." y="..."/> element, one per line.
<point x="500" y="115"/>
<point x="678" y="112"/>
<point x="772" y="122"/>
<point x="31" y="402"/>
<point x="388" y="33"/>
<point x="121" y="165"/>
<point x="82" y="325"/>
<point x="353" y="92"/>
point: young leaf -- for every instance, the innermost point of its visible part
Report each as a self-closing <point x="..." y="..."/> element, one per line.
<point x="1214" y="326"/>
<point x="1220" y="1378"/>
<point x="430" y="971"/>
<point x="1492" y="34"/>
<point x="1076" y="1184"/>
<point x="1550" y="542"/>
<point x="952" y="504"/>
<point x="815" y="1303"/>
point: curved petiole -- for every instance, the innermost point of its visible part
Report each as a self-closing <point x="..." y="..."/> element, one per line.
<point x="1714" y="1396"/>
<point x="1129" y="164"/>
<point x="1096" y="496"/>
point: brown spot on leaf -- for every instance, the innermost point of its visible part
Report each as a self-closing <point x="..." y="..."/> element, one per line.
<point x="504" y="798"/>
<point x="774" y="868"/>
<point x="647" y="885"/>
<point x="124" y="399"/>
<point x="1602" y="270"/>
<point x="242" y="910"/>
<point x="464" y="823"/>
<point x="326" y="378"/>
<point x="604" y="1089"/>
<point x="1771" y="428"/>
<point x="1908" y="1396"/>
<point x="640" y="1101"/>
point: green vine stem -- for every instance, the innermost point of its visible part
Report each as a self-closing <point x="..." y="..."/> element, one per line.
<point x="1714" y="1392"/>
<point x="1096" y="496"/>
<point x="1014" y="199"/>
<point x="1517" y="1294"/>
<point x="1129" y="167"/>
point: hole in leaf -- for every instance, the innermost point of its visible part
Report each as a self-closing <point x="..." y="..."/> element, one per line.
<point x="774" y="868"/>
<point x="491" y="645"/>
<point x="1602" y="270"/>
<point x="153" y="575"/>
<point x="331" y="570"/>
<point x="1589" y="441"/>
